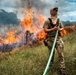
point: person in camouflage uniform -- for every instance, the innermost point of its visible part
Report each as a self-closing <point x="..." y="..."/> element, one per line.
<point x="51" y="25"/>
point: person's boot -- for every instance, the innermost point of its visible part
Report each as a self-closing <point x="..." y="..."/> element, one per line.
<point x="62" y="71"/>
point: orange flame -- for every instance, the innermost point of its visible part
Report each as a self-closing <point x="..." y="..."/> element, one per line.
<point x="32" y="22"/>
<point x="68" y="30"/>
<point x="41" y="35"/>
<point x="63" y="32"/>
<point x="10" y="38"/>
<point x="27" y="22"/>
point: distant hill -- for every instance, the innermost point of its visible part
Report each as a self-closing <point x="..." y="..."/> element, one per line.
<point x="8" y="17"/>
<point x="68" y="23"/>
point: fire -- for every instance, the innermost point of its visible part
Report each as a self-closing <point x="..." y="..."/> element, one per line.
<point x="68" y="30"/>
<point x="63" y="32"/>
<point x="27" y="22"/>
<point x="32" y="21"/>
<point x="41" y="35"/>
<point x="10" y="38"/>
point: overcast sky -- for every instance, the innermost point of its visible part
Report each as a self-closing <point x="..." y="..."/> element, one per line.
<point x="67" y="8"/>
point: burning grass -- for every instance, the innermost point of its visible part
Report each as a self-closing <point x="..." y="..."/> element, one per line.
<point x="68" y="30"/>
<point x="31" y="26"/>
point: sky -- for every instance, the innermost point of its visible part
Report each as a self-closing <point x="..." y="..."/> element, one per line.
<point x="67" y="8"/>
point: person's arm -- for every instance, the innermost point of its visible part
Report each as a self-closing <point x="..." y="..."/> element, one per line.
<point x="46" y="26"/>
<point x="51" y="29"/>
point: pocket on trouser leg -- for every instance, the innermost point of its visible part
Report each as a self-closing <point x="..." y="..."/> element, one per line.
<point x="60" y="45"/>
<point x="49" y="44"/>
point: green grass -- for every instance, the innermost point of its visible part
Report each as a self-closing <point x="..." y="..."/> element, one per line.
<point x="32" y="61"/>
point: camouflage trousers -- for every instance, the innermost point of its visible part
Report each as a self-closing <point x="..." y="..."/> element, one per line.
<point x="59" y="47"/>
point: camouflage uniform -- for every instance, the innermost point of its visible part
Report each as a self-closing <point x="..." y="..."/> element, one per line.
<point x="59" y="43"/>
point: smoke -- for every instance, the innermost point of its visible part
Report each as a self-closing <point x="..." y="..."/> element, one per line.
<point x="36" y="5"/>
<point x="42" y="6"/>
<point x="31" y="3"/>
<point x="19" y="6"/>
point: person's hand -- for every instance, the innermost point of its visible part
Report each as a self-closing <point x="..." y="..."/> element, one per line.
<point x="56" y="28"/>
<point x="60" y="29"/>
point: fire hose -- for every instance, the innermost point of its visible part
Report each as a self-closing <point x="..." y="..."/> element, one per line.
<point x="51" y="54"/>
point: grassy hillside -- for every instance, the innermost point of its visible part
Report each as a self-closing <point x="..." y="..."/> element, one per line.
<point x="32" y="61"/>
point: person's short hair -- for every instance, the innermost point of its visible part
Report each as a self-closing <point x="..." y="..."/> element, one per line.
<point x="54" y="11"/>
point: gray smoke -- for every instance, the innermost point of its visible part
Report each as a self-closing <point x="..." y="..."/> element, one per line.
<point x="41" y="6"/>
<point x="31" y="3"/>
<point x="44" y="5"/>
